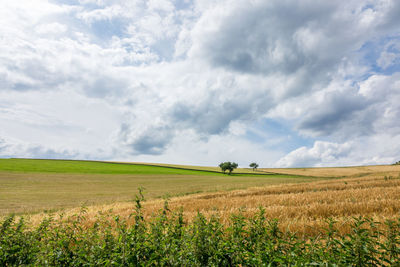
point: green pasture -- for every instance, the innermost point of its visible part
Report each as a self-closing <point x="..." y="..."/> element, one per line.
<point x="91" y="167"/>
<point x="28" y="185"/>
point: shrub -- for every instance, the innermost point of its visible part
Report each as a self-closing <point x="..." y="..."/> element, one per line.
<point x="166" y="239"/>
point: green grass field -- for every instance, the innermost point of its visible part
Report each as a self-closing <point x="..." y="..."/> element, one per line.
<point x="90" y="167"/>
<point x="28" y="185"/>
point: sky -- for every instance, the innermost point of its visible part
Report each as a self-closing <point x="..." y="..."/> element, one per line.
<point x="284" y="83"/>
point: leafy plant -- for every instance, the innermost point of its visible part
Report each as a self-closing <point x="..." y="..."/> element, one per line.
<point x="167" y="239"/>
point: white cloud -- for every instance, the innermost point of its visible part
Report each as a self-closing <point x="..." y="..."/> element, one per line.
<point x="321" y="154"/>
<point x="106" y="13"/>
<point x="51" y="28"/>
<point x="148" y="79"/>
<point x="60" y="120"/>
<point x="378" y="149"/>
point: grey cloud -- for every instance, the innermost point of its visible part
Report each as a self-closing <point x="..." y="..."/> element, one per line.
<point x="104" y="85"/>
<point x="209" y="118"/>
<point x="40" y="78"/>
<point x="34" y="76"/>
<point x="392" y="19"/>
<point x="210" y="114"/>
<point x="27" y="72"/>
<point x="308" y="40"/>
<point x="348" y="112"/>
<point x="151" y="141"/>
<point x="260" y="38"/>
<point x="14" y="149"/>
<point x="333" y="114"/>
<point x="214" y="112"/>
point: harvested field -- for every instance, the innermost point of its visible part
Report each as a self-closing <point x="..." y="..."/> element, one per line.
<point x="28" y="186"/>
<point x="303" y="208"/>
<point x="355" y="171"/>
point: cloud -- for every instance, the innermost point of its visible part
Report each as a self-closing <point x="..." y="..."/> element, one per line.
<point x="51" y="28"/>
<point x="372" y="150"/>
<point x="217" y="109"/>
<point x="390" y="55"/>
<point x="321" y="154"/>
<point x="328" y="115"/>
<point x="13" y="148"/>
<point x="152" y="140"/>
<point x="106" y="13"/>
<point x="345" y="109"/>
<point x="131" y="79"/>
<point x="310" y="45"/>
<point x="59" y="120"/>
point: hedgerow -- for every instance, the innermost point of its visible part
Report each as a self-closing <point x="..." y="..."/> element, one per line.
<point x="168" y="240"/>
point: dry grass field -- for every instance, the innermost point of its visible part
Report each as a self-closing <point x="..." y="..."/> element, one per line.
<point x="29" y="186"/>
<point x="356" y="171"/>
<point x="202" y="168"/>
<point x="372" y="191"/>
<point x="336" y="172"/>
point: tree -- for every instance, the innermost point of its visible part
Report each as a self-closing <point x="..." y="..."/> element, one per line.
<point x="254" y="166"/>
<point x="228" y="166"/>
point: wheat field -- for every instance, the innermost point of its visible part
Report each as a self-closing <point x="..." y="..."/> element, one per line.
<point x="30" y="185"/>
<point x="303" y="208"/>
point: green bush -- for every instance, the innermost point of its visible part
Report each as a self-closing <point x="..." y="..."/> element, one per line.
<point x="168" y="240"/>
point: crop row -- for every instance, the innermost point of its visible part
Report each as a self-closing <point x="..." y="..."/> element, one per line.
<point x="167" y="239"/>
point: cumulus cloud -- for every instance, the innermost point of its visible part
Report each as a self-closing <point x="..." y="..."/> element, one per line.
<point x="306" y="41"/>
<point x="150" y="140"/>
<point x="333" y="111"/>
<point x="378" y="149"/>
<point x="321" y="154"/>
<point x="154" y="72"/>
<point x="364" y="113"/>
<point x="344" y="110"/>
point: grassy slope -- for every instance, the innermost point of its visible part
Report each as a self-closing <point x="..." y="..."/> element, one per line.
<point x="89" y="167"/>
<point x="34" y="185"/>
<point x="100" y="167"/>
<point x="206" y="168"/>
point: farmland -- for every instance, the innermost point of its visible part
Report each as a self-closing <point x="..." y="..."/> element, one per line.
<point x="301" y="199"/>
<point x="301" y="207"/>
<point x="345" y="216"/>
<point x="29" y="186"/>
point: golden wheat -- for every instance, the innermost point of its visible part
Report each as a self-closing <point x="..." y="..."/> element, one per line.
<point x="299" y="207"/>
<point x="338" y="171"/>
